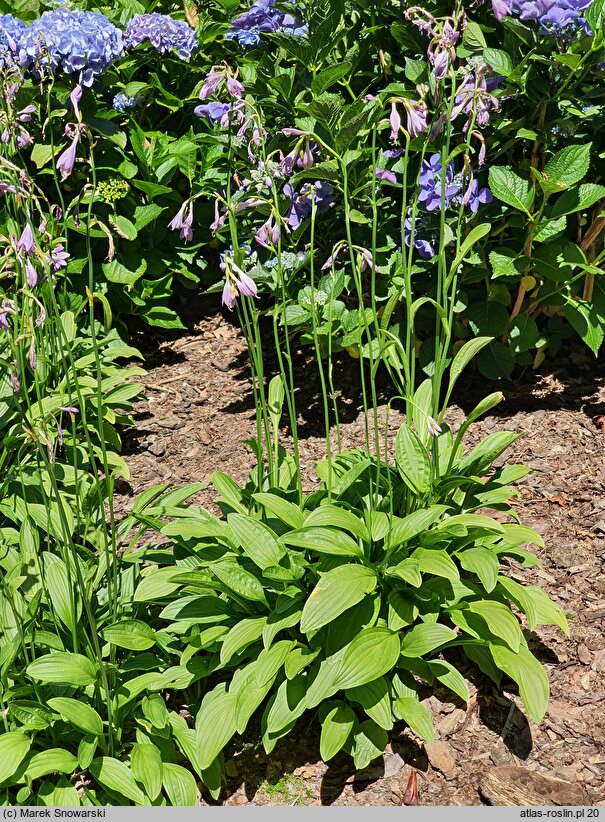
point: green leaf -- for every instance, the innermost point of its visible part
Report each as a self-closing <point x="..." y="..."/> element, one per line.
<point x="556" y="260"/>
<point x="506" y="262"/>
<point x="594" y="15"/>
<point x="324" y="541"/>
<point x="372" y="653"/>
<point x="63" y="667"/>
<point x="63" y="596"/>
<point x="256" y="540"/>
<point x="484" y="563"/>
<point x="242" y="634"/>
<point x="568" y="166"/>
<point x="450" y="676"/>
<point x="130" y="633"/>
<point x="435" y="561"/>
<point x="124" y="227"/>
<point x="495" y="362"/>
<point x="80" y="714"/>
<point x="239" y="580"/>
<point x="500" y="621"/>
<point x="487" y="318"/>
<point x="156" y="584"/>
<point x="528" y="673"/>
<point x="327" y="77"/>
<point x="412" y="460"/>
<point x="53" y="760"/>
<point x="336" y="591"/>
<point x="336" y="517"/>
<point x="523" y="333"/>
<point x="588" y="319"/>
<point x="500" y="61"/>
<point x="578" y="199"/>
<point x="370" y="740"/>
<point x="286" y="511"/>
<point x="535" y="604"/>
<point x="417" y="717"/>
<point x="511" y="188"/>
<point x="215" y="724"/>
<point x="374" y="698"/>
<point x="424" y="638"/>
<point x="463" y="356"/>
<point x="408" y="570"/>
<point x="335" y="730"/>
<point x="146" y="765"/>
<point x="413" y="524"/>
<point x="117" y="272"/>
<point x="117" y="776"/>
<point x="14" y="747"/>
<point x="473" y="237"/>
<point x="472" y="36"/>
<point x="180" y="785"/>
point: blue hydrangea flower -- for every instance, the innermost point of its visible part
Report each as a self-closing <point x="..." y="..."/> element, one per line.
<point x="77" y="42"/>
<point x="163" y="32"/>
<point x="262" y="17"/>
<point x="11" y="32"/>
<point x="430" y="183"/>
<point x="561" y="19"/>
<point x="121" y="102"/>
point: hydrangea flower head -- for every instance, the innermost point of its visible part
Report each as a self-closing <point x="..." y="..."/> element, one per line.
<point x="263" y="17"/>
<point x="561" y="19"/>
<point x="11" y="32"/>
<point x="122" y="102"/>
<point x="163" y="32"/>
<point x="77" y="42"/>
<point x="431" y="185"/>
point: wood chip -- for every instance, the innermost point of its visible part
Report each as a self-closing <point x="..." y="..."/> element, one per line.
<point x="520" y="786"/>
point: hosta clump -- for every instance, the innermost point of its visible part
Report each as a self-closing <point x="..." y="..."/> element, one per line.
<point x="352" y="602"/>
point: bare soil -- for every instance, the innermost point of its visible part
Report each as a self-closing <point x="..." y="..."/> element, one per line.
<point x="197" y="413"/>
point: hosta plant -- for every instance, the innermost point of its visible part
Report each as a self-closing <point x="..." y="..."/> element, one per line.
<point x="352" y="603"/>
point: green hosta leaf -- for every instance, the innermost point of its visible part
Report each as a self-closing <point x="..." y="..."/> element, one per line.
<point x="482" y="456"/>
<point x="256" y="540"/>
<point x="372" y="653"/>
<point x="535" y="604"/>
<point x="86" y="751"/>
<point x="30" y="714"/>
<point x="473" y="237"/>
<point x="117" y="776"/>
<point x="408" y="570"/>
<point x="412" y="460"/>
<point x="336" y="517"/>
<point x="336" y="591"/>
<point x="568" y="166"/>
<point x="298" y="659"/>
<point x="180" y="785"/>
<point x="78" y="713"/>
<point x="287" y="704"/>
<point x="370" y="740"/>
<point x="438" y="562"/>
<point x="413" y="524"/>
<point x="324" y="541"/>
<point x="238" y="579"/>
<point x="374" y="698"/>
<point x="241" y="635"/>
<point x="63" y="594"/>
<point x="424" y="638"/>
<point x="417" y="717"/>
<point x="130" y="633"/>
<point x="63" y="667"/>
<point x="286" y="511"/>
<point x="451" y="677"/>
<point x="528" y="673"/>
<point x="500" y="621"/>
<point x="157" y="584"/>
<point x="14" y="747"/>
<point x="215" y="724"/>
<point x="54" y="760"/>
<point x="271" y="660"/>
<point x="462" y="358"/>
<point x="484" y="563"/>
<point x="402" y="612"/>
<point x="336" y="730"/>
<point x="511" y="188"/>
<point x="146" y="765"/>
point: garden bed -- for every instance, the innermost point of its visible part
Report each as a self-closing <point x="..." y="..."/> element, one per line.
<point x="197" y="413"/>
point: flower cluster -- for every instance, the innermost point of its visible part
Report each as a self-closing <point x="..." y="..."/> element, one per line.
<point x="561" y="19"/>
<point x="78" y="42"/>
<point x="301" y="202"/>
<point x="163" y="32"/>
<point x="263" y="17"/>
<point x="11" y="32"/>
<point x="122" y="102"/>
